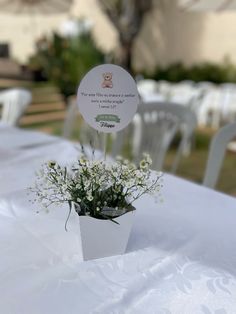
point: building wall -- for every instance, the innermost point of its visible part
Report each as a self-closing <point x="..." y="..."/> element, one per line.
<point x="169" y="34"/>
<point x="21" y="31"/>
<point x="175" y="35"/>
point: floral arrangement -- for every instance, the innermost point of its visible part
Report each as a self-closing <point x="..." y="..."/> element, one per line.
<point x="97" y="188"/>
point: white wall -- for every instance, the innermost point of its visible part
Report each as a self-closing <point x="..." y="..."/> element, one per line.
<point x="21" y="31"/>
<point x="172" y="35"/>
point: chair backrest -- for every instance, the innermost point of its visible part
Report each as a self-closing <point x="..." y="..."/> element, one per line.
<point x="217" y="152"/>
<point x="146" y="86"/>
<point x="164" y="87"/>
<point x="154" y="128"/>
<point x="87" y="135"/>
<point x="184" y="94"/>
<point x="14" y="102"/>
<point x="71" y="114"/>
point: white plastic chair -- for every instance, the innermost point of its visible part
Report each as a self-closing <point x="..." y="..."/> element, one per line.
<point x="71" y="115"/>
<point x="229" y="102"/>
<point x="146" y="86"/>
<point x="184" y="94"/>
<point x="210" y="112"/>
<point x="148" y="90"/>
<point x="154" y="128"/>
<point x="216" y="154"/>
<point x="164" y="88"/>
<point x="87" y="134"/>
<point x="14" y="102"/>
<point x="205" y="85"/>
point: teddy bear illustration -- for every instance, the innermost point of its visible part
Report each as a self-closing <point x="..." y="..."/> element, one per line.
<point x="107" y="80"/>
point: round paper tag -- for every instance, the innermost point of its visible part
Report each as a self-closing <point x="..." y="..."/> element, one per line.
<point x="108" y="98"/>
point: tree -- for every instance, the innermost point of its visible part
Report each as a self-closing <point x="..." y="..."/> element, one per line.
<point x="127" y="17"/>
<point x="64" y="61"/>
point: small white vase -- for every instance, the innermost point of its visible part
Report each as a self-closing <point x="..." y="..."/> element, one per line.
<point x="102" y="238"/>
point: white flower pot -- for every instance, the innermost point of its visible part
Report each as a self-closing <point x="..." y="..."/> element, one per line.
<point x="101" y="238"/>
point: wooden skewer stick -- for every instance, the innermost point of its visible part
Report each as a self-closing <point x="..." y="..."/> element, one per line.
<point x="105" y="145"/>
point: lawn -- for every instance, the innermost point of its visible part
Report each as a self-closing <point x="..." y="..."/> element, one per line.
<point x="191" y="167"/>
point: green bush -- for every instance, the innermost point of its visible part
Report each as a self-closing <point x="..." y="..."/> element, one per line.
<point x="64" y="61"/>
<point x="216" y="73"/>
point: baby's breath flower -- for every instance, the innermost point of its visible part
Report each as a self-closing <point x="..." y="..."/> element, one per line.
<point x="89" y="197"/>
<point x="86" y="184"/>
<point x="113" y="185"/>
<point x="143" y="164"/>
<point x="51" y="163"/>
<point x="83" y="160"/>
<point x="132" y="166"/>
<point x="126" y="162"/>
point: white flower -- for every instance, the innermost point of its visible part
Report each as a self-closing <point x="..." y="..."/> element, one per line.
<point x="138" y="174"/>
<point x="120" y="181"/>
<point x="129" y="184"/>
<point x="89" y="197"/>
<point x="132" y="166"/>
<point x="82" y="161"/>
<point x="52" y="163"/>
<point x="143" y="164"/>
<point x="86" y="185"/>
<point x="126" y="162"/>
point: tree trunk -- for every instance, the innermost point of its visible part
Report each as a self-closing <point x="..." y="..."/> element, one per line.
<point x="127" y="17"/>
<point x="126" y="56"/>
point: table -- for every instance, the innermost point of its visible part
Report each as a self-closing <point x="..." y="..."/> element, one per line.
<point x="181" y="256"/>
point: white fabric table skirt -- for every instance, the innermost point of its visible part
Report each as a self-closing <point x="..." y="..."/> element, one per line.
<point x="180" y="258"/>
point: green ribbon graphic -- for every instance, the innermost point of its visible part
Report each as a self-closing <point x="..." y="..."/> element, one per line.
<point x="107" y="117"/>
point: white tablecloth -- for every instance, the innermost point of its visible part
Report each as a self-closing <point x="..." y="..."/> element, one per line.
<point x="181" y="256"/>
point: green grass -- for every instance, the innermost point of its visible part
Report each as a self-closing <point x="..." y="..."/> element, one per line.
<point x="191" y="167"/>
